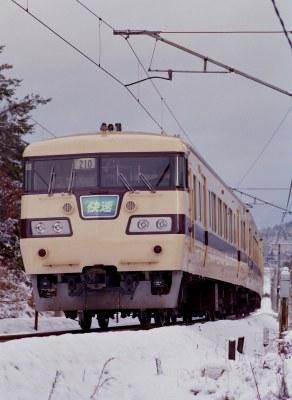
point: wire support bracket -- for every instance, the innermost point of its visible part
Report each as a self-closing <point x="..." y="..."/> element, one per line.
<point x="169" y="71"/>
<point x="156" y="35"/>
<point x="258" y="201"/>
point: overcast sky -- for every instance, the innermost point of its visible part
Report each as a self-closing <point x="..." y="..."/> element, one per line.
<point x="229" y="118"/>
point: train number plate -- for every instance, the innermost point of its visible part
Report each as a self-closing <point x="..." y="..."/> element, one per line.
<point x="99" y="206"/>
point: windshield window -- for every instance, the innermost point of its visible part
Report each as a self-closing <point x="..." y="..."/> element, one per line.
<point x="121" y="172"/>
<point x="79" y="172"/>
<point x="158" y="171"/>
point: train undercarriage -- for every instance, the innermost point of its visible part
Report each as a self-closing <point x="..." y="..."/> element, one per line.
<point x="162" y="296"/>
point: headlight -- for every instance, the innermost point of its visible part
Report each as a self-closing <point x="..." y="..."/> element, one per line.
<point x="143" y="224"/>
<point x="158" y="224"/>
<point x="50" y="227"/>
<point x="40" y="228"/>
<point x="58" y="227"/>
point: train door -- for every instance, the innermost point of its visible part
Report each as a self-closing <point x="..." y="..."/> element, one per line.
<point x="205" y="216"/>
<point x="238" y="241"/>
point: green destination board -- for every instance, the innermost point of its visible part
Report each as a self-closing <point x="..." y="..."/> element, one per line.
<point x="99" y="206"/>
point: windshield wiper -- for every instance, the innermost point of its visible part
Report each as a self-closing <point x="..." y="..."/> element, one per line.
<point x="71" y="180"/>
<point x="162" y="175"/>
<point x="147" y="183"/>
<point x="51" y="182"/>
<point x="126" y="183"/>
<point x="41" y="178"/>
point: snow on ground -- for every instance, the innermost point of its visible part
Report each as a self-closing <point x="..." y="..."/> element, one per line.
<point x="178" y="362"/>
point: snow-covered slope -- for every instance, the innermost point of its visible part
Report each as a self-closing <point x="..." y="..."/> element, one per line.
<point x="181" y="362"/>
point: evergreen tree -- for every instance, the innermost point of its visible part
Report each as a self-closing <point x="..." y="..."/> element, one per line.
<point x="14" y="124"/>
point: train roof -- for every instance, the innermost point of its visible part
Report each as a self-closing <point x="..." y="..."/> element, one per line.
<point x="108" y="142"/>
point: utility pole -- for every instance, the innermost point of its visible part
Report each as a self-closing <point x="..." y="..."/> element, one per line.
<point x="278" y="275"/>
<point x="278" y="271"/>
<point x="284" y="293"/>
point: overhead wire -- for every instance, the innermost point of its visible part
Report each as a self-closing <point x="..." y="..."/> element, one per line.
<point x="43" y="127"/>
<point x="122" y="84"/>
<point x="171" y="112"/>
<point x="265" y="146"/>
<point x="31" y="118"/>
<point x="247" y="32"/>
<point x="281" y="22"/>
<point x="107" y="72"/>
<point x="264" y="188"/>
<point x="265" y="202"/>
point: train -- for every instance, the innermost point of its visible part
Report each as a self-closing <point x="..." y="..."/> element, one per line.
<point x="137" y="225"/>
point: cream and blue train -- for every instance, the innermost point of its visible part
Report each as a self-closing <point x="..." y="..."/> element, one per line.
<point x="135" y="223"/>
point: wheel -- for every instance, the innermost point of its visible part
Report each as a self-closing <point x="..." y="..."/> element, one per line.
<point x="71" y="314"/>
<point x="145" y="319"/>
<point x="187" y="317"/>
<point x="159" y="318"/>
<point x="167" y="319"/>
<point x="103" y="322"/>
<point x="173" y="318"/>
<point x="85" y="319"/>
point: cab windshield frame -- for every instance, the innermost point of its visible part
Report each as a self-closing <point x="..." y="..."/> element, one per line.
<point x="62" y="174"/>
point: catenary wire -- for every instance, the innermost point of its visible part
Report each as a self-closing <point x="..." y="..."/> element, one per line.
<point x="281" y="22"/>
<point x="43" y="127"/>
<point x="264" y="188"/>
<point x="34" y="120"/>
<point x="265" y="147"/>
<point x="265" y="202"/>
<point x="93" y="62"/>
<point x="248" y="32"/>
<point x="144" y="69"/>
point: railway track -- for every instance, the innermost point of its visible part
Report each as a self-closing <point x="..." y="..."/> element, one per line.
<point x="134" y="327"/>
<point x="15" y="336"/>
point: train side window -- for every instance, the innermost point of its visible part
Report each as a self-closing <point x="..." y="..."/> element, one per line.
<point x="186" y="170"/>
<point x="220" y="230"/>
<point x="234" y="229"/>
<point x="182" y="172"/>
<point x="200" y="202"/>
<point x="250" y="241"/>
<point x="204" y="202"/>
<point x="214" y="213"/>
<point x="243" y="241"/>
<point x="255" y="250"/>
<point x="225" y="221"/>
<point x="210" y="211"/>
<point x="195" y="196"/>
<point x="230" y="228"/>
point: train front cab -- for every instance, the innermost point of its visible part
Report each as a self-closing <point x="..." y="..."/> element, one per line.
<point x="115" y="245"/>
